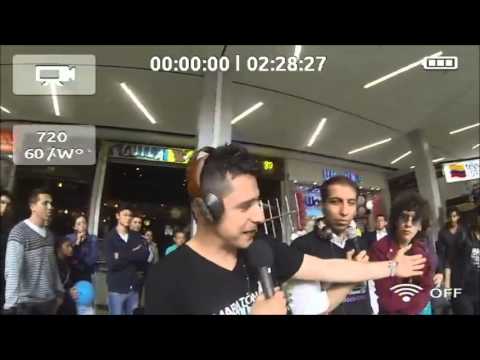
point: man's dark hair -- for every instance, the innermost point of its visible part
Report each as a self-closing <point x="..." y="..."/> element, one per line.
<point x="123" y="206"/>
<point x="381" y="215"/>
<point x="228" y="159"/>
<point x="179" y="231"/>
<point x="59" y="242"/>
<point x="410" y="201"/>
<point x="452" y="210"/>
<point x="336" y="180"/>
<point x="33" y="198"/>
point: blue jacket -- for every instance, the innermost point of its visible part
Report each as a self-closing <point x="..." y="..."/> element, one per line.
<point x="84" y="256"/>
<point x="123" y="271"/>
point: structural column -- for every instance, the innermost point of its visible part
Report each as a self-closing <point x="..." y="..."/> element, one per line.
<point x="425" y="173"/>
<point x="214" y="127"/>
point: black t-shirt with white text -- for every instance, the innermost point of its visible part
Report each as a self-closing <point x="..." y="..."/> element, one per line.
<point x="187" y="283"/>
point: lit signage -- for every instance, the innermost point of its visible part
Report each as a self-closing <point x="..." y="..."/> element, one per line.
<point x="328" y="173"/>
<point x="462" y="171"/>
<point x="268" y="165"/>
<point x="151" y="153"/>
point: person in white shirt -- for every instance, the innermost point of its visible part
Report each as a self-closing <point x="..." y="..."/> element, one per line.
<point x="377" y="230"/>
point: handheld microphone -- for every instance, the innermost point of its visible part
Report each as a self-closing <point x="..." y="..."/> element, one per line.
<point x="353" y="236"/>
<point x="260" y="256"/>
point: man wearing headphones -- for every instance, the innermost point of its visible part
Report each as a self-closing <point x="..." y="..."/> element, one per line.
<point x="209" y="274"/>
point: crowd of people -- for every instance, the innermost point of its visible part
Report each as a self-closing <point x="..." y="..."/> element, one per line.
<point x="40" y="269"/>
<point x="332" y="269"/>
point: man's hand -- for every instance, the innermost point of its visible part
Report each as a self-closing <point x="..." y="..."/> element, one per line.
<point x="276" y="305"/>
<point x="408" y="266"/>
<point x="80" y="238"/>
<point x="137" y="248"/>
<point x="361" y="257"/>
<point x="438" y="279"/>
<point x="74" y="294"/>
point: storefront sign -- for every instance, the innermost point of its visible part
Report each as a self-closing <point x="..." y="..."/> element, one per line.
<point x="328" y="173"/>
<point x="151" y="153"/>
<point x="462" y="171"/>
<point x="310" y="200"/>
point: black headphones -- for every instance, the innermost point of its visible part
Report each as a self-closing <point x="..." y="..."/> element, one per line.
<point x="209" y="204"/>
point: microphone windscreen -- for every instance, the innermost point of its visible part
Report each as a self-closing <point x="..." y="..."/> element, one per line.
<point x="259" y="253"/>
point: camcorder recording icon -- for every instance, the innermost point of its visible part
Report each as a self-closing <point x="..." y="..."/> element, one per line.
<point x="54" y="74"/>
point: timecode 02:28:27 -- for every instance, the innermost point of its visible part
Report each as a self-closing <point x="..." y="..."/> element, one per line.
<point x="224" y="63"/>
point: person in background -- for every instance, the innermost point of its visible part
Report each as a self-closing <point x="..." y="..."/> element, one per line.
<point x="6" y="222"/>
<point x="464" y="263"/>
<point x="85" y="253"/>
<point x="136" y="224"/>
<point x="452" y="233"/>
<point x="152" y="247"/>
<point x="33" y="284"/>
<point x="376" y="228"/>
<point x="126" y="255"/>
<point x="64" y="252"/>
<point x="409" y="221"/>
<point x="179" y="238"/>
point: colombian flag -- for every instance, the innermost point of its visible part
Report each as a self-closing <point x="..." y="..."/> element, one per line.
<point x="457" y="170"/>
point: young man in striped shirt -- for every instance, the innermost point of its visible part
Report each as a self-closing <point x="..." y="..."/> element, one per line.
<point x="33" y="284"/>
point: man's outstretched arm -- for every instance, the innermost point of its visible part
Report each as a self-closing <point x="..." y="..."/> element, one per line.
<point x="347" y="271"/>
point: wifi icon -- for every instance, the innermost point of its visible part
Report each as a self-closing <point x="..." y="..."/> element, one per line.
<point x="406" y="291"/>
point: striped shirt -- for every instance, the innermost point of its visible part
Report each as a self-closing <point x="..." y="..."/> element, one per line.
<point x="31" y="271"/>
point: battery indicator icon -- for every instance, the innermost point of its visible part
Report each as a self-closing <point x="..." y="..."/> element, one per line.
<point x="440" y="63"/>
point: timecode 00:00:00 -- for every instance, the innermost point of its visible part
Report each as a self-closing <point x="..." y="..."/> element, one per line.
<point x="223" y="63"/>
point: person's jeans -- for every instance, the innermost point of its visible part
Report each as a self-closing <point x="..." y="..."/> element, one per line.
<point x="122" y="304"/>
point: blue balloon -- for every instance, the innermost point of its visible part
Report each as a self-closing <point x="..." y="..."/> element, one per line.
<point x="86" y="293"/>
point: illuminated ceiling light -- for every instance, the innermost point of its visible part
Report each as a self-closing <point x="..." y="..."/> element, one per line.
<point x="4" y="109"/>
<point x="53" y="89"/>
<point x="475" y="146"/>
<point x="438" y="160"/>
<point x="401" y="157"/>
<point x="464" y="128"/>
<point x="399" y="71"/>
<point x="369" y="146"/>
<point x="60" y="184"/>
<point x="298" y="50"/>
<point x="137" y="102"/>
<point x="319" y="128"/>
<point x="247" y="112"/>
<point x="412" y="167"/>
